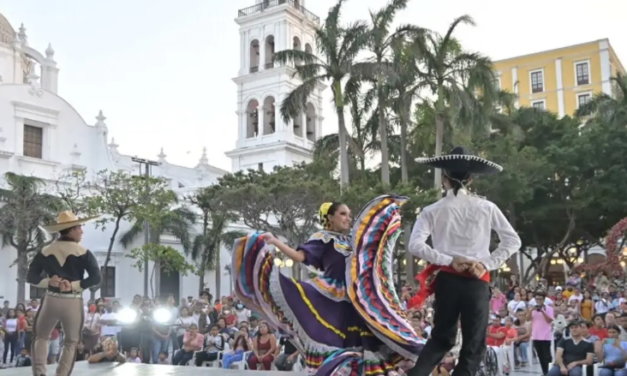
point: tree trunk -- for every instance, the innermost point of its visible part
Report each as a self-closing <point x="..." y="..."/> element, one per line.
<point x="383" y="135"/>
<point x="22" y="269"/>
<point x="92" y="292"/>
<point x="218" y="269"/>
<point x="439" y="140"/>
<point x="404" y="168"/>
<point x="342" y="133"/>
<point x="152" y="278"/>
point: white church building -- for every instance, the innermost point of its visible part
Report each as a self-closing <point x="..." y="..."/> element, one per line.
<point x="42" y="135"/>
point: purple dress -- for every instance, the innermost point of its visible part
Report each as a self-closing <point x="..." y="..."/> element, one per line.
<point x="348" y="320"/>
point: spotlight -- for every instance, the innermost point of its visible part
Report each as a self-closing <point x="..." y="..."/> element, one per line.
<point x="289" y="263"/>
<point x="161" y="315"/>
<point x="127" y="316"/>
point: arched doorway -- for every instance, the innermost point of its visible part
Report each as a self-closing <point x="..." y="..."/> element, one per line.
<point x="169" y="284"/>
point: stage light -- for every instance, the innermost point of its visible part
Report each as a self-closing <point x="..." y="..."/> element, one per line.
<point x="127" y="316"/>
<point x="162" y="315"/>
<point x="289" y="263"/>
<point x="278" y="263"/>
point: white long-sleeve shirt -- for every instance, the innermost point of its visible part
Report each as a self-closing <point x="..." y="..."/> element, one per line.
<point x="460" y="226"/>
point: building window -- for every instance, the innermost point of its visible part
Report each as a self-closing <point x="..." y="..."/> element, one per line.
<point x="33" y="141"/>
<point x="260" y="167"/>
<point x="107" y="287"/>
<point x="583" y="99"/>
<point x="582" y="70"/>
<point x="540" y="105"/>
<point x="36" y="292"/>
<point x="537" y="81"/>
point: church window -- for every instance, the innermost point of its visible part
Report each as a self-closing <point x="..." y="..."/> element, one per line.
<point x="33" y="141"/>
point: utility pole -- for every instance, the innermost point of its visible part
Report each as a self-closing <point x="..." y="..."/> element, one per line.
<point x="147" y="164"/>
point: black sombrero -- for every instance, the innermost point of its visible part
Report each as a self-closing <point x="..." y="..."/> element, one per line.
<point x="459" y="160"/>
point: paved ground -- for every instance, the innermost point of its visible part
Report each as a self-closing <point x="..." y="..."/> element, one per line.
<point x="84" y="369"/>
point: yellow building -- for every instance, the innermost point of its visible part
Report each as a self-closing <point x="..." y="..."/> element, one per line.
<point x="560" y="80"/>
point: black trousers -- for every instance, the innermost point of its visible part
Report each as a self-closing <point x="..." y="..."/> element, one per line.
<point x="457" y="298"/>
<point x="543" y="349"/>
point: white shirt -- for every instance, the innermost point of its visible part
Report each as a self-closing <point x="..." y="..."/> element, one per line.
<point x="460" y="226"/>
<point x="547" y="301"/>
<point x="514" y="306"/>
<point x="242" y="315"/>
<point x="602" y="306"/>
<point x="110" y="330"/>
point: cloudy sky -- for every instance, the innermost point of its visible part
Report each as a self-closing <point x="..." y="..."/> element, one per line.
<point x="161" y="69"/>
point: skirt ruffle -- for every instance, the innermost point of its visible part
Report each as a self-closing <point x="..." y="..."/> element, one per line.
<point x="366" y="333"/>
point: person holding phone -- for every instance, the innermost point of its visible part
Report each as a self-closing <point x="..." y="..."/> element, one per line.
<point x="613" y="353"/>
<point x="541" y="317"/>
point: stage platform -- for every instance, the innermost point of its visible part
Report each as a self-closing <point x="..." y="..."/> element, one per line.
<point x="134" y="369"/>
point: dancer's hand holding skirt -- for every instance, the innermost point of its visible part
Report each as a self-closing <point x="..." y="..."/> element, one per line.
<point x="348" y="320"/>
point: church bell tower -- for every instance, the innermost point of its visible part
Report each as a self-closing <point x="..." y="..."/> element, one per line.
<point x="264" y="139"/>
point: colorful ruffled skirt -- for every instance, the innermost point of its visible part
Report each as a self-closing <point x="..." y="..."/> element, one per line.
<point x="354" y="326"/>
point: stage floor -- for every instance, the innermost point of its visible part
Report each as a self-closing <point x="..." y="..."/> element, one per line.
<point x="133" y="369"/>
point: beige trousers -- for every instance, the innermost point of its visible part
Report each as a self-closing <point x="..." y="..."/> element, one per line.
<point x="64" y="308"/>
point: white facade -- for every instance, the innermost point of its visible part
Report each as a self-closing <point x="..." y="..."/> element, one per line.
<point x="44" y="136"/>
<point x="264" y="139"/>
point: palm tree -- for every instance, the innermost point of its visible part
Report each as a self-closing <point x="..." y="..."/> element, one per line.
<point x="610" y="109"/>
<point x="454" y="77"/>
<point x="24" y="208"/>
<point x="362" y="141"/>
<point x="206" y="245"/>
<point x="381" y="43"/>
<point x="339" y="47"/>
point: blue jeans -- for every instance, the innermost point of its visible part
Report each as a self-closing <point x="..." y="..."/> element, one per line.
<point x="159" y="345"/>
<point x="613" y="372"/>
<point x="229" y="359"/>
<point x="555" y="371"/>
<point x="524" y="348"/>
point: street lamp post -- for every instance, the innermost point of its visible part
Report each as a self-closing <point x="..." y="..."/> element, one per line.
<point x="147" y="164"/>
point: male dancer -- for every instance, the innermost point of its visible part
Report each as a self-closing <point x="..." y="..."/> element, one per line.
<point x="460" y="226"/>
<point x="60" y="268"/>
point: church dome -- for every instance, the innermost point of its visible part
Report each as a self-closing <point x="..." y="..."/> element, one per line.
<point x="7" y="33"/>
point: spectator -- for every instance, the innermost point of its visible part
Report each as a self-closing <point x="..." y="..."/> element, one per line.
<point x="23" y="359"/>
<point x="241" y="312"/>
<point x="286" y="360"/>
<point x="612" y="352"/>
<point x="585" y="333"/>
<point x="264" y="347"/>
<point x="81" y="354"/>
<point x="133" y="356"/>
<point x="498" y="301"/>
<point x="495" y="339"/>
<point x="109" y="355"/>
<point x="516" y="304"/>
<point x="214" y="344"/>
<point x="572" y="353"/>
<point x="163" y="358"/>
<point x="604" y="304"/>
<point x="10" y="329"/>
<point x="192" y="342"/>
<point x="523" y="329"/>
<point x="241" y="345"/>
<point x="586" y="306"/>
<point x="541" y="317"/>
<point x="183" y="323"/>
<point x="622" y="320"/>
<point x="598" y="327"/>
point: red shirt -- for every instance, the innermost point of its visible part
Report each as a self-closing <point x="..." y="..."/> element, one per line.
<point x="21" y="323"/>
<point x="494" y="330"/>
<point x="601" y="333"/>
<point x="230" y="319"/>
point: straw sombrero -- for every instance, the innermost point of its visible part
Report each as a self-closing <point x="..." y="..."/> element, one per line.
<point x="459" y="160"/>
<point x="65" y="220"/>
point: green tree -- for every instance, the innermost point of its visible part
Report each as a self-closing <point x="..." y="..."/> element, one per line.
<point x="24" y="207"/>
<point x="454" y="77"/>
<point x="167" y="258"/>
<point x="157" y="213"/>
<point x="72" y="187"/>
<point x="338" y="48"/>
<point x="608" y="108"/>
<point x="215" y="220"/>
<point x="114" y="195"/>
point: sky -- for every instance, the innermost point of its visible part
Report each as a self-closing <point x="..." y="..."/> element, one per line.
<point x="161" y="70"/>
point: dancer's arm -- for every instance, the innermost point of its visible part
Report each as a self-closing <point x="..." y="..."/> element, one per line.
<point x="35" y="272"/>
<point x="93" y="271"/>
<point x="509" y="241"/>
<point x="297" y="256"/>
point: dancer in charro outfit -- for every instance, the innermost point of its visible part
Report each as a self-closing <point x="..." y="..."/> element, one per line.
<point x="60" y="269"/>
<point x="348" y="320"/>
<point x="460" y="226"/>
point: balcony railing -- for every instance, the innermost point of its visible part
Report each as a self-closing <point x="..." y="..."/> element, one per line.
<point x="266" y="4"/>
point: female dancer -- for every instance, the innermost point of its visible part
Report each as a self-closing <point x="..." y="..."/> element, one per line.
<point x="348" y="320"/>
